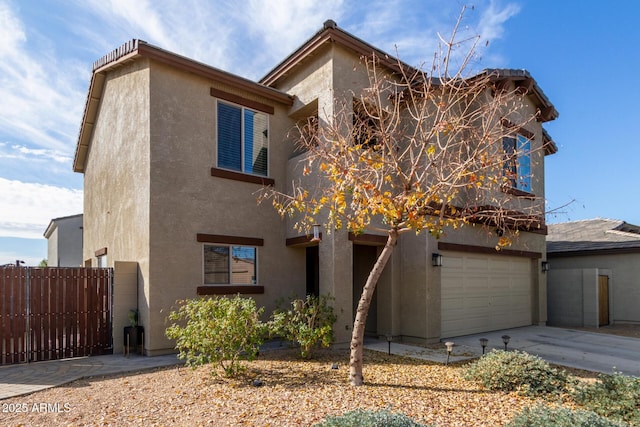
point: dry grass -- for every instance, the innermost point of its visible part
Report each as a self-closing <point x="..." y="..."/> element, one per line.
<point x="294" y="393"/>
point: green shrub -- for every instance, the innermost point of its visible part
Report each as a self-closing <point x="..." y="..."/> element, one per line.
<point x="217" y="330"/>
<point x="543" y="416"/>
<point x="614" y="396"/>
<point x="308" y="322"/>
<point x="516" y="371"/>
<point x="361" y="418"/>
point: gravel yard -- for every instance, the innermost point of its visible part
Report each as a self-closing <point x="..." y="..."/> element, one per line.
<point x="293" y="393"/>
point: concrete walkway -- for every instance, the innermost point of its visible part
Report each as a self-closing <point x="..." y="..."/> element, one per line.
<point x="566" y="347"/>
<point x="16" y="380"/>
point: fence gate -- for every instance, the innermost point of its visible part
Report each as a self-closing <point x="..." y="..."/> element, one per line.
<point x="54" y="313"/>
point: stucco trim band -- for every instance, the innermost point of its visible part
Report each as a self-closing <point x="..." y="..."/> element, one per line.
<point x="238" y="176"/>
<point x="101" y="252"/>
<point x="230" y="289"/>
<point x="229" y="240"/>
<point x="240" y="100"/>
<point x="443" y="246"/>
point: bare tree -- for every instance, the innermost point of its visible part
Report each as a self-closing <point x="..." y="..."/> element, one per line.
<point x="416" y="151"/>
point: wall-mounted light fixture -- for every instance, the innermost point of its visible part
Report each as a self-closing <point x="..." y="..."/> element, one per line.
<point x="436" y="260"/>
<point x="545" y="266"/>
<point x="316" y="233"/>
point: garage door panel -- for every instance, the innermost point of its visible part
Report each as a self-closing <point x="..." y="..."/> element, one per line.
<point x="500" y="284"/>
<point x="476" y="263"/>
<point x="453" y="263"/>
<point x="496" y="265"/>
<point x="465" y="305"/>
<point x="484" y="292"/>
<point x="460" y="326"/>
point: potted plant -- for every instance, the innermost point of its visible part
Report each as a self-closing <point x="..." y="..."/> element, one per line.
<point x="133" y="334"/>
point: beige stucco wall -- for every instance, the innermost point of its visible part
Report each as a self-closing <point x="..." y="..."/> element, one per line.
<point x="149" y="192"/>
<point x="116" y="179"/>
<point x="125" y="290"/>
<point x="409" y="291"/>
<point x="187" y="200"/>
<point x="624" y="281"/>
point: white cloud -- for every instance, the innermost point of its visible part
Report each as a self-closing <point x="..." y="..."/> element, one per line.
<point x="289" y="23"/>
<point x="493" y="18"/>
<point x="243" y="38"/>
<point x="41" y="100"/>
<point x="33" y="155"/>
<point x="198" y="29"/>
<point x="43" y="81"/>
<point x="28" y="207"/>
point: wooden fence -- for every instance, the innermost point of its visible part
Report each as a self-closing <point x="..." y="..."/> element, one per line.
<point x="54" y="313"/>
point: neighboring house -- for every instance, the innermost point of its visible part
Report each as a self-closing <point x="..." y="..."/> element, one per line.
<point x="173" y="152"/>
<point x="594" y="273"/>
<point x="64" y="241"/>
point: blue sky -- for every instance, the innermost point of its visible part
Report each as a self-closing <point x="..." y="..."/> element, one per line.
<point x="583" y="54"/>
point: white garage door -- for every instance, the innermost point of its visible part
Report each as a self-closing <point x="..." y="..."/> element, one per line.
<point x="483" y="293"/>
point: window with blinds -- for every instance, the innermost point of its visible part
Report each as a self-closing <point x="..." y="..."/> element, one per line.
<point x="517" y="165"/>
<point x="243" y="139"/>
<point x="234" y="265"/>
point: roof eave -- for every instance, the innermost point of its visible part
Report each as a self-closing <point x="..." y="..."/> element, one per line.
<point x="50" y="229"/>
<point x="528" y="86"/>
<point x="330" y="33"/>
<point x="549" y="145"/>
<point x="135" y="49"/>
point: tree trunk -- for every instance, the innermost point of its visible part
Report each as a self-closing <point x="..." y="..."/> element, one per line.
<point x="357" y="337"/>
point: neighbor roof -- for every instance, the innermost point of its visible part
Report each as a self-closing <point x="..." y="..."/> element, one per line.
<point x="598" y="234"/>
<point x="53" y="224"/>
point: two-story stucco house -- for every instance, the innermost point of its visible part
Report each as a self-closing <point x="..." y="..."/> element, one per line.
<point x="173" y="152"/>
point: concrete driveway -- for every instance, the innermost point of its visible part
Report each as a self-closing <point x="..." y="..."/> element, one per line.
<point x="567" y="347"/>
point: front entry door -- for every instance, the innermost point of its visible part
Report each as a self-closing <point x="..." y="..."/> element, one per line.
<point x="364" y="257"/>
<point x="313" y="270"/>
<point x="603" y="300"/>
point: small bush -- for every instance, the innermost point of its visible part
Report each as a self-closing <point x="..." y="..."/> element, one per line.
<point x="218" y="330"/>
<point x="614" y="396"/>
<point x="543" y="416"/>
<point x="361" y="418"/>
<point x="517" y="371"/>
<point x="308" y="322"/>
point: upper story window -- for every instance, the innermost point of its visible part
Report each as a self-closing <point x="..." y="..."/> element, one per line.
<point x="243" y="139"/>
<point x="364" y="125"/>
<point x="517" y="165"/>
